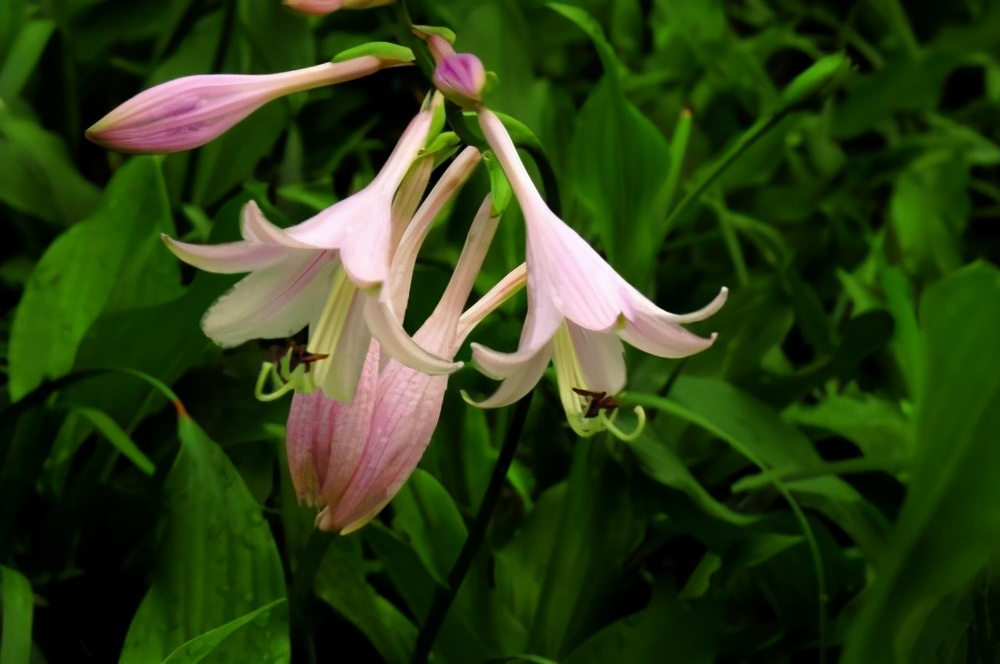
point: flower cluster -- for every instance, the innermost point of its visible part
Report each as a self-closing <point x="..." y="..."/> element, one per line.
<point x="367" y="395"/>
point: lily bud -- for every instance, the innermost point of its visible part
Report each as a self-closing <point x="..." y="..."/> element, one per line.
<point x="461" y="77"/>
<point x="191" y="111"/>
<point x="321" y="7"/>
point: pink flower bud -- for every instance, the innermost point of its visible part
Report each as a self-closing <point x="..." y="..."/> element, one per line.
<point x="460" y="77"/>
<point x="322" y="7"/>
<point x="188" y="112"/>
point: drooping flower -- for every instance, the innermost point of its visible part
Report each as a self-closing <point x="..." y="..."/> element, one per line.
<point x="322" y="271"/>
<point x="191" y="111"/>
<point x="321" y="7"/>
<point x="579" y="311"/>
<point x="351" y="459"/>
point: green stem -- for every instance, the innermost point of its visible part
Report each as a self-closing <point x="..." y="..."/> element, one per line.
<point x="444" y="596"/>
<point x="309" y="560"/>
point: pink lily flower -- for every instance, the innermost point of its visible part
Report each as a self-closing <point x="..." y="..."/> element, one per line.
<point x="579" y="311"/>
<point x="189" y="112"/>
<point x="352" y="459"/>
<point x="321" y="7"/>
<point x="321" y="272"/>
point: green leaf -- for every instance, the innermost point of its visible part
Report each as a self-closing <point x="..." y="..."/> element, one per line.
<point x="260" y="636"/>
<point x="218" y="559"/>
<point x="666" y="630"/>
<point x="426" y="513"/>
<point x="38" y="176"/>
<point x="663" y="465"/>
<point x="117" y="437"/>
<point x="755" y="430"/>
<point x="17" y="606"/>
<point x="609" y="59"/>
<point x="825" y="74"/>
<point x="23" y="57"/>
<point x="79" y="272"/>
<point x="583" y="528"/>
<point x="341" y="583"/>
<point x="875" y="425"/>
<point x="929" y="211"/>
<point x="949" y="526"/>
<point x="619" y="162"/>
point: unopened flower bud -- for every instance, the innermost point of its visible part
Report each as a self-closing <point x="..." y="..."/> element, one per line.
<point x="188" y="112"/>
<point x="321" y="7"/>
<point x="461" y="77"/>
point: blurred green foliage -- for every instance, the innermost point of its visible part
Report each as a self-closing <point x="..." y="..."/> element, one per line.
<point x="820" y="485"/>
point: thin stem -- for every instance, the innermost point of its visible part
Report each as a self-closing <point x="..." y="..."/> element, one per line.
<point x="444" y="596"/>
<point x="309" y="560"/>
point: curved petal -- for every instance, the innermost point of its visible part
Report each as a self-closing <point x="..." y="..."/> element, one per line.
<point x="638" y="305"/>
<point x="573" y="276"/>
<point x="329" y="228"/>
<point x="270" y="303"/>
<point x="365" y="253"/>
<point x="255" y="227"/>
<point x="601" y="357"/>
<point x="663" y="338"/>
<point x="399" y="345"/>
<point x="228" y="258"/>
<point x="520" y="373"/>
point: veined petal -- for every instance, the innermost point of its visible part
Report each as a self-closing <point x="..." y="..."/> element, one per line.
<point x="638" y="304"/>
<point x="439" y="333"/>
<point x="365" y="255"/>
<point x="519" y="371"/>
<point x="601" y="357"/>
<point x="255" y="227"/>
<point x="488" y="303"/>
<point x="399" y="345"/>
<point x="409" y="146"/>
<point x="274" y="302"/>
<point x="662" y="338"/>
<point x="405" y="257"/>
<point x="405" y="416"/>
<point x="342" y="370"/>
<point x="228" y="258"/>
<point x="407" y="199"/>
<point x="540" y="326"/>
<point x="572" y="275"/>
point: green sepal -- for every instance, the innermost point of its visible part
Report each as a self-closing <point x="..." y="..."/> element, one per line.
<point x="442" y="147"/>
<point x="499" y="186"/>
<point x="381" y="50"/>
<point x="447" y="33"/>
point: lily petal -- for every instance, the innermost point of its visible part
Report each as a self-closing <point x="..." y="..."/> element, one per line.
<point x="255" y="227"/>
<point x="503" y="290"/>
<point x="274" y="302"/>
<point x="325" y="437"/>
<point x="638" y="305"/>
<point x="519" y="371"/>
<point x="398" y="344"/>
<point x="228" y="258"/>
<point x="663" y="338"/>
<point x="342" y="370"/>
<point x="601" y="357"/>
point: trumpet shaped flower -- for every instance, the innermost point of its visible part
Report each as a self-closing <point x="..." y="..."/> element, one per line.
<point x="189" y="112"/>
<point x="351" y="459"/>
<point x="579" y="311"/>
<point x="321" y="271"/>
